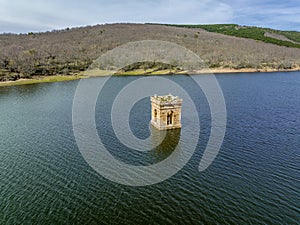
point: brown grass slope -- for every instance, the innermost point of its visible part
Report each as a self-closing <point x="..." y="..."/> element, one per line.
<point x="70" y="51"/>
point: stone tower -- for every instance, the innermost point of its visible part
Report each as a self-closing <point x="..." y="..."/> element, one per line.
<point x="166" y="112"/>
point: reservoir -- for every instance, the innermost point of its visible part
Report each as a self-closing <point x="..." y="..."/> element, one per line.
<point x="253" y="180"/>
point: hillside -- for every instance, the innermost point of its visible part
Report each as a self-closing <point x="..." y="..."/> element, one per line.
<point x="267" y="35"/>
<point x="70" y="51"/>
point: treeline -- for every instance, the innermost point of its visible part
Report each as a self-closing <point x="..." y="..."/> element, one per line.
<point x="255" y="33"/>
<point x="71" y="51"/>
<point x="147" y="65"/>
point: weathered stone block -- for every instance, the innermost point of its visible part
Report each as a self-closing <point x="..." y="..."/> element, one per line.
<point x="166" y="112"/>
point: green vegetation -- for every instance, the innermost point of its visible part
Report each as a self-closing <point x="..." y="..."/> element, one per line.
<point x="145" y="65"/>
<point x="44" y="79"/>
<point x="148" y="68"/>
<point x="292" y="35"/>
<point x="256" y="33"/>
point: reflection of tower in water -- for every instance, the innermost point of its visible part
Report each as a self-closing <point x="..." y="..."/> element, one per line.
<point x="167" y="145"/>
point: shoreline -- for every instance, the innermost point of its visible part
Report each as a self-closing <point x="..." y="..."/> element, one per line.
<point x="41" y="79"/>
<point x="61" y="78"/>
<point x="249" y="70"/>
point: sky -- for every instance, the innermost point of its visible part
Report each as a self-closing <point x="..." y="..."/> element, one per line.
<point x="23" y="16"/>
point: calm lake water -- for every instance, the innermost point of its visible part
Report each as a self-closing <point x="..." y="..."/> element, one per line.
<point x="255" y="179"/>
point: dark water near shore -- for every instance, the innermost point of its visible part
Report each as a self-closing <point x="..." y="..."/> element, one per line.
<point x="255" y="178"/>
